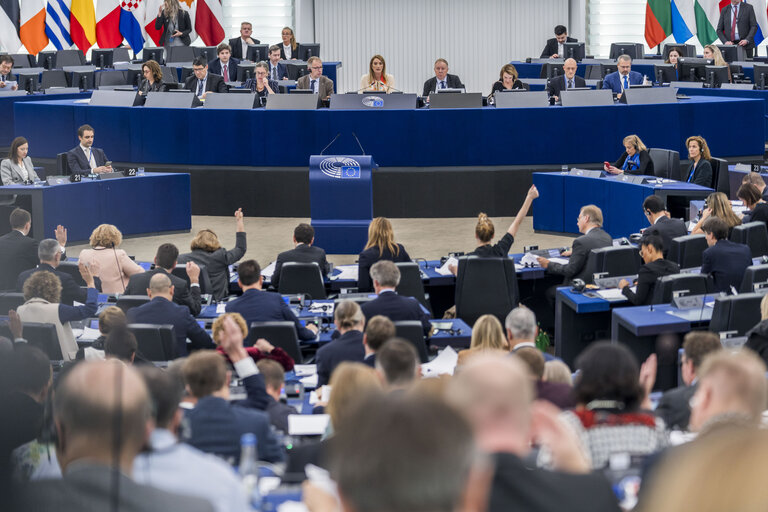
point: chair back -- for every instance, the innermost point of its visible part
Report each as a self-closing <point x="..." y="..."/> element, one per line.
<point x="720" y="178"/>
<point x="204" y="280"/>
<point x="485" y="286"/>
<point x="754" y="235"/>
<point x="71" y="268"/>
<point x="304" y="278"/>
<point x="696" y="284"/>
<point x="10" y="300"/>
<point x="53" y="78"/>
<point x="116" y="77"/>
<point x="413" y="331"/>
<point x="126" y="302"/>
<point x="44" y="337"/>
<point x="62" y="164"/>
<point x="666" y="163"/>
<point x="411" y="284"/>
<point x="737" y="313"/>
<point x="686" y="250"/>
<point x="623" y="260"/>
<point x="279" y="334"/>
<point x="754" y="274"/>
<point x="156" y="342"/>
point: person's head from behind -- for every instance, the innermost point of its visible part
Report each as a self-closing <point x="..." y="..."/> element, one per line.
<point x="111" y="318"/>
<point x="205" y="240"/>
<point x="49" y="251"/>
<point x="348" y="316"/>
<point x="697" y="148"/>
<point x="121" y="344"/>
<point x="249" y="274"/>
<point x="166" y="389"/>
<point x="534" y="362"/>
<point x="715" y="229"/>
<point x="653" y="206"/>
<point x="484" y="230"/>
<point x="608" y="371"/>
<point x="349" y="382"/>
<point x="382" y="236"/>
<point x="21" y="220"/>
<point x="378" y="330"/>
<point x="633" y="145"/>
<point x="750" y="194"/>
<point x="218" y="327"/>
<point x="274" y="377"/>
<point x="166" y="256"/>
<point x="106" y="235"/>
<point x="398" y="363"/>
<point x="385" y="275"/>
<point x="756" y="179"/>
<point x="43" y="285"/>
<point x="160" y="286"/>
<point x="304" y="234"/>
<point x="557" y="371"/>
<point x="441" y="474"/>
<point x="696" y="346"/>
<point x="720" y="206"/>
<point x="200" y="67"/>
<point x="205" y="373"/>
<point x="89" y="401"/>
<point x="652" y="248"/>
<point x="624" y="64"/>
<point x="19" y="150"/>
<point x="487" y="334"/>
<point x="590" y="216"/>
<point x="561" y="33"/>
<point x="31" y="372"/>
<point x="521" y="326"/>
<point x="730" y="385"/>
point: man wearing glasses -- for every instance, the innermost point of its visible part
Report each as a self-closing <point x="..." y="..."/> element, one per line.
<point x="319" y="84"/>
<point x="202" y="82"/>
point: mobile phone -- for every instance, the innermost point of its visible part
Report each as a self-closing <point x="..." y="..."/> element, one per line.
<point x="607" y="164"/>
<point x="108" y="164"/>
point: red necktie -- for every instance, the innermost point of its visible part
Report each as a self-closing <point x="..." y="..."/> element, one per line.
<point x="733" y="24"/>
<point x="224" y="72"/>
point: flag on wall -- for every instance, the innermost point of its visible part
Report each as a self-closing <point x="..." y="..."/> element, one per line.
<point x="131" y="19"/>
<point x="32" y="26"/>
<point x="9" y="26"/>
<point x="658" y="21"/>
<point x="707" y="13"/>
<point x="57" y="23"/>
<point x="683" y="20"/>
<point x="82" y="24"/>
<point x="108" y="24"/>
<point x="761" y="13"/>
<point x="208" y="22"/>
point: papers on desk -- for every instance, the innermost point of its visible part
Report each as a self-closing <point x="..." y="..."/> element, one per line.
<point x="269" y="271"/>
<point x="444" y="271"/>
<point x="529" y="259"/>
<point x="562" y="261"/>
<point x="347" y="272"/>
<point x="325" y="393"/>
<point x="444" y="363"/>
<point x="613" y="293"/>
<point x="221" y="308"/>
<point x="87" y="334"/>
<point x="310" y="382"/>
<point x="9" y="85"/>
<point x="86" y="101"/>
<point x="307" y="424"/>
<point x="303" y="370"/>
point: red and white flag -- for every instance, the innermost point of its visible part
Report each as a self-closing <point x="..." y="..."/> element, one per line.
<point x="209" y="21"/>
<point x="108" y="24"/>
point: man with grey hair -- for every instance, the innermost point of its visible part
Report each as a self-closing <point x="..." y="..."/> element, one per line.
<point x="522" y="330"/>
<point x="49" y="252"/>
<point x="624" y="78"/>
<point x="386" y="276"/>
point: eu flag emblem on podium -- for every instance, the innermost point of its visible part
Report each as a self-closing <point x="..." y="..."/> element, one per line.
<point x="350" y="171"/>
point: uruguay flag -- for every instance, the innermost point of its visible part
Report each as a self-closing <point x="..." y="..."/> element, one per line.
<point x="683" y="20"/>
<point x="131" y="18"/>
<point x="57" y="23"/>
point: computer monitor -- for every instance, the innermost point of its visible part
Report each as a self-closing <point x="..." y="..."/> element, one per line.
<point x="180" y="54"/>
<point x="634" y="50"/>
<point x="102" y="57"/>
<point x="209" y="52"/>
<point x="761" y="76"/>
<point x="732" y="52"/>
<point x="685" y="50"/>
<point x="121" y="55"/>
<point x="85" y="80"/>
<point x="574" y="51"/>
<point x="155" y="54"/>
<point x="244" y="72"/>
<point x="28" y="82"/>
<point x="307" y="50"/>
<point x="665" y="73"/>
<point x="258" y="52"/>
<point x="606" y="69"/>
<point x="716" y="76"/>
<point x="693" y="69"/>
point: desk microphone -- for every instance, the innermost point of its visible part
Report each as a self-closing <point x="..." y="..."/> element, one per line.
<point x="358" y="142"/>
<point x="334" y="140"/>
<point x="366" y="87"/>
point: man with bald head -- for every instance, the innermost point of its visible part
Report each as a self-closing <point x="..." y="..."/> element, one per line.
<point x="162" y="310"/>
<point x="90" y="402"/>
<point x="568" y="80"/>
<point x="496" y="394"/>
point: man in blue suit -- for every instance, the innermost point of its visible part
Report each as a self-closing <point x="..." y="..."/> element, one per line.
<point x="162" y="310"/>
<point x="259" y="306"/>
<point x="624" y="78"/>
<point x="277" y="70"/>
<point x="386" y="276"/>
<point x="724" y="260"/>
<point x="225" y="65"/>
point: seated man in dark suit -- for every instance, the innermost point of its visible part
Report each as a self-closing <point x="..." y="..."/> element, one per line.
<point x="165" y="261"/>
<point x="239" y="45"/>
<point x="303" y="252"/>
<point x="662" y="225"/>
<point x="386" y="276"/>
<point x="277" y="70"/>
<point x="6" y="66"/>
<point x="724" y="260"/>
<point x="441" y="80"/>
<point x="18" y="252"/>
<point x="256" y="305"/>
<point x="378" y="330"/>
<point x="554" y="47"/>
<point x="215" y="424"/>
<point x="274" y="380"/>
<point x="569" y="80"/>
<point x="655" y="267"/>
<point x="162" y="310"/>
<point x="49" y="252"/>
<point x="201" y="82"/>
<point x="674" y="406"/>
<point x="398" y="364"/>
<point x="225" y="65"/>
<point x="84" y="158"/>
<point x="624" y="78"/>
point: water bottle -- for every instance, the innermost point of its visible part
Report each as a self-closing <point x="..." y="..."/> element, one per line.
<point x="141" y="171"/>
<point x="249" y="468"/>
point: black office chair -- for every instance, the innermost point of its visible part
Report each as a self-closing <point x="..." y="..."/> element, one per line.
<point x="126" y="302"/>
<point x="737" y="313"/>
<point x="666" y="163"/>
<point x="23" y="60"/>
<point x="116" y="77"/>
<point x="53" y="78"/>
<point x="10" y="300"/>
<point x="183" y="54"/>
<point x="69" y="58"/>
<point x="411" y="284"/>
<point x="623" y="260"/>
<point x="279" y="334"/>
<point x="298" y="277"/>
<point x="170" y="76"/>
<point x="753" y="275"/>
<point x="44" y="337"/>
<point x="62" y="164"/>
<point x="156" y="342"/>
<point x="485" y="286"/>
<point x="754" y="235"/>
<point x="412" y="331"/>
<point x="696" y="284"/>
<point x="204" y="279"/>
<point x="550" y="70"/>
<point x="71" y="268"/>
<point x="606" y="69"/>
<point x="686" y="250"/>
<point x="720" y="178"/>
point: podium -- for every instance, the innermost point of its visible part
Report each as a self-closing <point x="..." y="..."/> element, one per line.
<point x="341" y="201"/>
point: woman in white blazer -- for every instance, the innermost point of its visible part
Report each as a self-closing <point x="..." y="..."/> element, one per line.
<point x="377" y="78"/>
<point x="17" y="168"/>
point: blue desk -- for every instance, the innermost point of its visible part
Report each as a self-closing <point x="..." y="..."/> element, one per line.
<point x="478" y="137"/>
<point x="140" y="205"/>
<point x="7" y="127"/>
<point x="732" y="93"/>
<point x="563" y="196"/>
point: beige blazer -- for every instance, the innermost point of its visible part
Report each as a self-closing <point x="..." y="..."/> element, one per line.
<point x="40" y="310"/>
<point x="365" y="84"/>
<point x="115" y="267"/>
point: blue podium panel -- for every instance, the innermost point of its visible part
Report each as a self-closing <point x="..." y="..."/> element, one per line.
<point x="341" y="201"/>
<point x="7" y="127"/>
<point x="731" y="93"/>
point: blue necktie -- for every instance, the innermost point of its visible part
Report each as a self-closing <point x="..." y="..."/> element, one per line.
<point x="626" y="84"/>
<point x="312" y="85"/>
<point x="199" y="87"/>
<point x="442" y="84"/>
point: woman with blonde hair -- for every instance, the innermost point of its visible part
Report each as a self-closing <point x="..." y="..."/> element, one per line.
<point x="508" y="80"/>
<point x="207" y="250"/>
<point x="115" y="267"/>
<point x="380" y="246"/>
<point x="289" y="49"/>
<point x="713" y="52"/>
<point x="717" y="205"/>
<point x="262" y="349"/>
<point x="174" y="24"/>
<point x="487" y="335"/>
<point x="377" y="78"/>
<point x="350" y="321"/>
<point x="557" y="371"/>
<point x="634" y="160"/>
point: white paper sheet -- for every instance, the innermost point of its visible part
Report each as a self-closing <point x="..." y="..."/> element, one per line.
<point x="530" y="259"/>
<point x="562" y="261"/>
<point x="307" y="424"/>
<point x="305" y="369"/>
<point x="269" y="271"/>
<point x="221" y="308"/>
<point x="444" y="363"/>
<point x="443" y="271"/>
<point x="88" y="334"/>
<point x="613" y="293"/>
<point x="348" y="272"/>
<point x="310" y="382"/>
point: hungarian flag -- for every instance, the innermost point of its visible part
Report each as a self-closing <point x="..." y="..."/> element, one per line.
<point x="32" y="29"/>
<point x="658" y="21"/>
<point x="9" y="26"/>
<point x="83" y="24"/>
<point x="108" y="24"/>
<point x="208" y="21"/>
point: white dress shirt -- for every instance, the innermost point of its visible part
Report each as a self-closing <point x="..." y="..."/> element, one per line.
<point x="89" y="156"/>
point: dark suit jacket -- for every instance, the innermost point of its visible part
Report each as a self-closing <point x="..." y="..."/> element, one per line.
<point x="70" y="291"/>
<point x="303" y="253"/>
<point x="396" y="308"/>
<point x="182" y="293"/>
<point x="278" y="414"/>
<point x="551" y="47"/>
<point x="78" y="163"/>
<point x="702" y="175"/>
<point x="758" y="214"/>
<point x="519" y="487"/>
<point x="746" y="23"/>
<point x="237" y="47"/>
<point x="646" y="281"/>
<point x="324" y="88"/>
<point x="451" y="82"/>
<point x="145" y="87"/>
<point x="613" y="81"/>
<point x="217" y="263"/>
<point x="260" y="306"/>
<point x="282" y="71"/>
<point x="162" y="311"/>
<point x="674" y="408"/>
<point x="557" y="84"/>
<point x="726" y="262"/>
<point x="215" y="426"/>
<point x="757" y="340"/>
<point x="184" y="26"/>
<point x="27" y="422"/>
<point x="214" y="83"/>
<point x="17" y="254"/>
<point x="294" y="53"/>
<point x="667" y="229"/>
<point x="577" y="263"/>
<point x="646" y="164"/>
<point x="215" y="67"/>
<point x="347" y="347"/>
<point x="300" y="456"/>
<point x="370" y="256"/>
